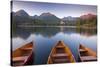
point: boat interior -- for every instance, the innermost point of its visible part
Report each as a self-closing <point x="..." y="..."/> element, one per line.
<point x="59" y="54"/>
<point x="86" y="54"/>
<point x="21" y="55"/>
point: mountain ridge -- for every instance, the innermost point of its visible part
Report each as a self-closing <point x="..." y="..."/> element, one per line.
<point x="47" y="18"/>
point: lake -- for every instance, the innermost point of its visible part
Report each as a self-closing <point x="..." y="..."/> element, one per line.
<point x="45" y="38"/>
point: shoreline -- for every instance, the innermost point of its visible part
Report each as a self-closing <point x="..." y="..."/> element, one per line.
<point x="84" y="27"/>
<point x="46" y="26"/>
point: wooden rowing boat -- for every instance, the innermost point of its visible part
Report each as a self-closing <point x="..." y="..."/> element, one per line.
<point x="86" y="54"/>
<point x="60" y="54"/>
<point x="23" y="55"/>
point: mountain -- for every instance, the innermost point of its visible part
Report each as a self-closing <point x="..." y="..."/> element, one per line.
<point x="89" y="20"/>
<point x="49" y="18"/>
<point x="46" y="14"/>
<point x="69" y="18"/>
<point x="34" y="17"/>
<point x="21" y="17"/>
<point x="88" y="16"/>
<point x="46" y="18"/>
<point x="21" y="13"/>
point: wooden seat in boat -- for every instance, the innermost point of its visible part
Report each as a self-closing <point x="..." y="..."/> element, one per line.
<point x="19" y="59"/>
<point x="88" y="58"/>
<point x="26" y="48"/>
<point x="59" y="55"/>
<point x="60" y="47"/>
<point x="82" y="50"/>
<point x="61" y="60"/>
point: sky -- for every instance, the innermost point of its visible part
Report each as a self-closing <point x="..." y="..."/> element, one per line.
<point x="60" y="10"/>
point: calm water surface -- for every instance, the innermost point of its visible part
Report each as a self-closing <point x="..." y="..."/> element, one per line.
<point x="45" y="38"/>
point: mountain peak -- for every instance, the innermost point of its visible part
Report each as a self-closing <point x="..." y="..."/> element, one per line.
<point x="88" y="16"/>
<point x="46" y="14"/>
<point x="21" y="10"/>
<point x="70" y="18"/>
<point x="21" y="13"/>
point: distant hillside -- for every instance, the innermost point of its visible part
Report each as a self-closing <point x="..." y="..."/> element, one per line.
<point x="88" y="20"/>
<point x="21" y="13"/>
<point x="23" y="18"/>
<point x="20" y="17"/>
<point x="70" y="20"/>
<point x="46" y="18"/>
<point x="88" y="16"/>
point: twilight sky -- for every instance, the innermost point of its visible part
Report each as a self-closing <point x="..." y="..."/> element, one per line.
<point x="60" y="10"/>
